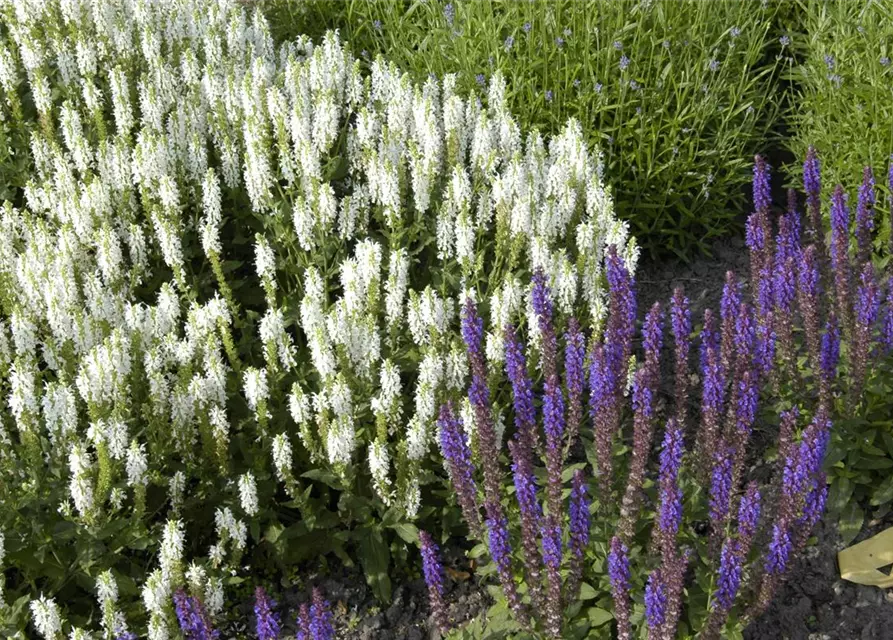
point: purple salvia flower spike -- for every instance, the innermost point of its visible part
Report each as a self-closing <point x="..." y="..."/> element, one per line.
<point x="574" y="379"/>
<point x="321" y="627"/>
<point x="778" y="551"/>
<point x="748" y="516"/>
<point x="721" y="487"/>
<point x="728" y="310"/>
<point x="808" y="300"/>
<point x="680" y="314"/>
<point x="578" y="533"/>
<point x="618" y="572"/>
<point x="812" y="184"/>
<point x="887" y="329"/>
<point x="531" y="520"/>
<point x="712" y="372"/>
<point x="434" y="577"/>
<point x="522" y="389"/>
<point x="457" y="458"/>
<point x="303" y="623"/>
<point x="268" y="627"/>
<point x="479" y="396"/>
<point x="670" y="511"/>
<point x="865" y="216"/>
<point x="551" y="536"/>
<point x="866" y="312"/>
<point x="830" y="353"/>
<point x="761" y="190"/>
<point x="501" y="552"/>
<point x="840" y="257"/>
<point x="655" y="603"/>
<point x="643" y="431"/>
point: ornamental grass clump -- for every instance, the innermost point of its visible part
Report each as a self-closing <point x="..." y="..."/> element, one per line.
<point x="778" y="361"/>
<point x="230" y="288"/>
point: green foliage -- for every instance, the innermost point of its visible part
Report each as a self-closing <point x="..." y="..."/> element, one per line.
<point x="844" y="100"/>
<point x="678" y="126"/>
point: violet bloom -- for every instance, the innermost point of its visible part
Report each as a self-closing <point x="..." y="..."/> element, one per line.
<point x="761" y="190"/>
<point x="193" y="618"/>
<point x="713" y="391"/>
<point x="670" y="495"/>
<point x="808" y="294"/>
<point x="867" y="305"/>
<point x="840" y="260"/>
<point x="579" y="515"/>
<point x="574" y="355"/>
<point x="578" y="535"/>
<point x="747" y="401"/>
<point x="721" y="487"/>
<point x="779" y="549"/>
<point x="126" y="635"/>
<point x="541" y="300"/>
<point x="457" y="456"/>
<point x="748" y="515"/>
<point x="303" y="623"/>
<point x="729" y="579"/>
<point x="619" y="575"/>
<point x="767" y="339"/>
<point x="830" y="354"/>
<point x="887" y="330"/>
<point x="522" y="387"/>
<point x="501" y="552"/>
<point x="268" y="627"/>
<point x="729" y="305"/>
<point x="655" y="602"/>
<point x="321" y="618"/>
<point x="680" y="321"/>
<point x="865" y="215"/>
<point x="652" y="333"/>
<point x="812" y="184"/>
<point x="531" y="518"/>
<point x="434" y="576"/>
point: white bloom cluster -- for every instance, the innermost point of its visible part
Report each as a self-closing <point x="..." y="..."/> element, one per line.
<point x="46" y="617"/>
<point x="376" y="206"/>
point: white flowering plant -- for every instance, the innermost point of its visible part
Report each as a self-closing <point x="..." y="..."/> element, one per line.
<point x="230" y="292"/>
<point x="677" y="93"/>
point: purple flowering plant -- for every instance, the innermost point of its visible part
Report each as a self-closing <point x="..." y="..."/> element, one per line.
<point x="591" y="533"/>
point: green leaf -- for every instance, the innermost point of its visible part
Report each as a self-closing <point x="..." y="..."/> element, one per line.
<point x="599" y="616"/>
<point x="326" y="477"/>
<point x="850" y="522"/>
<point x="883" y="493"/>
<point x="477" y="551"/>
<point x="375" y="558"/>
<point x="587" y="592"/>
<point x="408" y="531"/>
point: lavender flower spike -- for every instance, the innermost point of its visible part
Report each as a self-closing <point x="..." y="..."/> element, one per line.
<point x="670" y="513"/>
<point x="457" y="458"/>
<point x="501" y="552"/>
<point x="522" y="388"/>
<point x="303" y="623"/>
<point x="867" y="305"/>
<point x="193" y="617"/>
<point x="579" y="532"/>
<point x="433" y="571"/>
<point x="531" y="517"/>
<point x="840" y="258"/>
<point x="680" y="314"/>
<point x="655" y="603"/>
<point x="727" y="585"/>
<point x="865" y="215"/>
<point x="812" y="184"/>
<point x="887" y="329"/>
<point x="574" y="355"/>
<point x="268" y="627"/>
<point x="618" y="572"/>
<point x="321" y="618"/>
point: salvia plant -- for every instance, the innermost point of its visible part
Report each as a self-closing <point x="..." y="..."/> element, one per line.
<point x="229" y="291"/>
<point x="678" y="93"/>
<point x="592" y="537"/>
